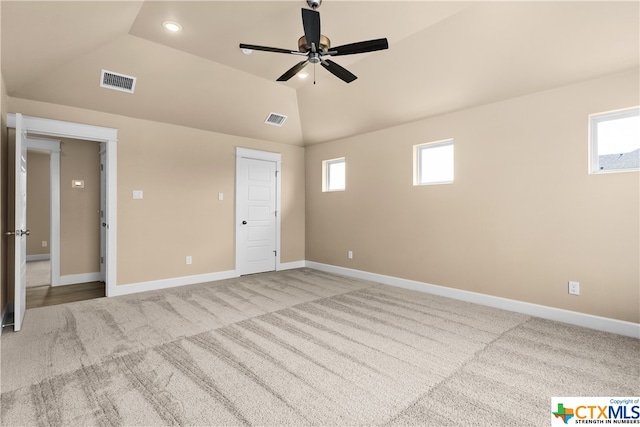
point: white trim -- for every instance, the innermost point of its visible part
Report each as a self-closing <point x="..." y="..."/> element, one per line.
<point x="155" y="285"/>
<point x="59" y="128"/>
<point x="606" y="324"/>
<point x="249" y="153"/>
<point x="38" y="257"/>
<point x="73" y="279"/>
<point x="64" y="129"/>
<point x="291" y="265"/>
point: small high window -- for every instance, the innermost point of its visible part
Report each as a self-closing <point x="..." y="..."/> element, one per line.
<point x="433" y="163"/>
<point x="334" y="175"/>
<point x="615" y="141"/>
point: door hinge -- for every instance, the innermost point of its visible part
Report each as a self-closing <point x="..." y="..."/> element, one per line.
<point x="101" y="260"/>
<point x="275" y="213"/>
<point x="101" y="167"/>
<point x="275" y="253"/>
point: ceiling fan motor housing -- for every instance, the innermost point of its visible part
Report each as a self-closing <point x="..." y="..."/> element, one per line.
<point x="303" y="47"/>
<point x="313" y="4"/>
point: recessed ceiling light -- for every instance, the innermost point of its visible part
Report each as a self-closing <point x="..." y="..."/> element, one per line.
<point x="303" y="75"/>
<point x="172" y="26"/>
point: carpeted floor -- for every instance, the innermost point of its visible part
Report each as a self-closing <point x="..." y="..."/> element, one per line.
<point x="300" y="347"/>
<point x="38" y="273"/>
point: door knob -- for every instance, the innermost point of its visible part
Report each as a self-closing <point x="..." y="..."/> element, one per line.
<point x="17" y="233"/>
<point x="244" y="222"/>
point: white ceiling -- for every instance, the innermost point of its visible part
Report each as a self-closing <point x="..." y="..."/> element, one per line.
<point x="443" y="56"/>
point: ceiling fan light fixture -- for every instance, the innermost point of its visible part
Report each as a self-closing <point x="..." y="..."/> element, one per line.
<point x="172" y="26"/>
<point x="303" y="75"/>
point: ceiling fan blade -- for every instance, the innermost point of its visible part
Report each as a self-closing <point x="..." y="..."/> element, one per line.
<point x="267" y="49"/>
<point x="360" y="47"/>
<point x="292" y="71"/>
<point x="311" y="24"/>
<point x="338" y="71"/>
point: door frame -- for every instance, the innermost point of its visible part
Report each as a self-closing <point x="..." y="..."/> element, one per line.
<point x="108" y="136"/>
<point x="249" y="153"/>
<point x="51" y="146"/>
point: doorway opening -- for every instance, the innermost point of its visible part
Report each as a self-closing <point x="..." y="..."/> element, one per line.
<point x="65" y="244"/>
<point x="25" y="126"/>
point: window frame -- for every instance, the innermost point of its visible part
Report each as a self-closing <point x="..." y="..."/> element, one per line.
<point x="417" y="161"/>
<point x="326" y="175"/>
<point x="594" y="120"/>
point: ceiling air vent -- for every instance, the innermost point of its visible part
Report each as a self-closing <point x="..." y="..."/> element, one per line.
<point x="117" y="81"/>
<point x="275" y="119"/>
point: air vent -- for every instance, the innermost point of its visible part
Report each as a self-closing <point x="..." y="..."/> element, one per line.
<point x="117" y="81"/>
<point x="275" y="119"/>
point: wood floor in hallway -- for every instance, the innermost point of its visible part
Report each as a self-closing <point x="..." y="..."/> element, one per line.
<point x="42" y="296"/>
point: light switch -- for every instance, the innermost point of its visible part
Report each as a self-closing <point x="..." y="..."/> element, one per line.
<point x="77" y="183"/>
<point x="220" y="196"/>
<point x="137" y="194"/>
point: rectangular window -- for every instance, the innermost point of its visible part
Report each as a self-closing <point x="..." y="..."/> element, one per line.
<point x="334" y="175"/>
<point x="615" y="141"/>
<point x="433" y="163"/>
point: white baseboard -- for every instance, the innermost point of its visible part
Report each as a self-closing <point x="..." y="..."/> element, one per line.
<point x="72" y="279"/>
<point x="291" y="265"/>
<point x="155" y="285"/>
<point x="39" y="257"/>
<point x="560" y="315"/>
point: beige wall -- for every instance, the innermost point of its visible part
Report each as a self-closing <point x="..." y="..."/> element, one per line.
<point x="79" y="207"/>
<point x="522" y="218"/>
<point x="181" y="171"/>
<point x="38" y="202"/>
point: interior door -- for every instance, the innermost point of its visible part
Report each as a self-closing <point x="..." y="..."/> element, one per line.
<point x="103" y="204"/>
<point x="256" y="216"/>
<point x="20" y="231"/>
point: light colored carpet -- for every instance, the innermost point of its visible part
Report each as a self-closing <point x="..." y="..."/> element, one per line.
<point x="38" y="273"/>
<point x="300" y="347"/>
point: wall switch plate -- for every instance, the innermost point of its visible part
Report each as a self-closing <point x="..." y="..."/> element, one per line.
<point x="220" y="196"/>
<point x="44" y="243"/>
<point x="350" y="254"/>
<point x="189" y="260"/>
<point x="574" y="288"/>
<point x="137" y="194"/>
<point x="77" y="183"/>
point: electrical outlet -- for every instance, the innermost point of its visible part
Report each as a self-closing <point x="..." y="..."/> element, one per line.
<point x="574" y="288"/>
<point x="44" y="243"/>
<point x="189" y="260"/>
<point x="350" y="254"/>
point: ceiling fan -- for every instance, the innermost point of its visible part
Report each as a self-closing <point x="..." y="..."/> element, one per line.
<point x="316" y="47"/>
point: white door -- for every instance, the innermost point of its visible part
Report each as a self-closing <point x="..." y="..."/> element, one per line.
<point x="20" y="231"/>
<point x="103" y="205"/>
<point x="256" y="215"/>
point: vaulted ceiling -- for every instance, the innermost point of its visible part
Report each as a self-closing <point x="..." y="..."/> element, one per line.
<point x="443" y="56"/>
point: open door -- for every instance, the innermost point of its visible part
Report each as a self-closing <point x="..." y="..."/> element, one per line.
<point x="20" y="231"/>
<point x="103" y="206"/>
